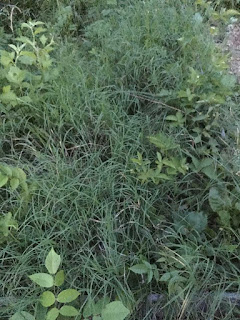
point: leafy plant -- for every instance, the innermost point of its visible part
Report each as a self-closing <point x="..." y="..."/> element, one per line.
<point x="226" y="204"/>
<point x="145" y="268"/>
<point x="168" y="165"/>
<point x="14" y="179"/>
<point x="58" y="300"/>
<point x="27" y="70"/>
<point x="7" y="223"/>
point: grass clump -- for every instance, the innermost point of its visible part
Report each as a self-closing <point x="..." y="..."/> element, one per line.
<point x="146" y="79"/>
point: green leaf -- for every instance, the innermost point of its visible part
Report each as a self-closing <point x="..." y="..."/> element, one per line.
<point x="197" y="221"/>
<point x="52" y="261"/>
<point x="100" y="305"/>
<point x="22" y="315"/>
<point x="169" y="163"/>
<point x="43" y="39"/>
<point x="3" y="180"/>
<point x="89" y="308"/>
<point x="52" y="314"/>
<point x="149" y="276"/>
<point x="59" y="278"/>
<point x="6" y="58"/>
<point x="19" y="173"/>
<point x="6" y="169"/>
<point x="115" y="310"/>
<point x="14" y="183"/>
<point x="39" y="30"/>
<point x="27" y="57"/>
<point x="47" y="299"/>
<point x="163" y="142"/>
<point x="172" y="118"/>
<point x="225" y="217"/>
<point x="139" y="268"/>
<point x="67" y="295"/>
<point x="8" y="97"/>
<point x="40" y="311"/>
<point x="68" y="311"/>
<point x="16" y="75"/>
<point x="231" y="12"/>
<point x="165" y="277"/>
<point x="219" y="199"/>
<point x="163" y="176"/>
<point x="42" y="279"/>
<point x="206" y="162"/>
<point x="6" y="223"/>
<point x="25" y="40"/>
<point x="210" y="172"/>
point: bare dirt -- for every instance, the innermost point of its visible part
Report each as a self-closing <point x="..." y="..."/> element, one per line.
<point x="233" y="47"/>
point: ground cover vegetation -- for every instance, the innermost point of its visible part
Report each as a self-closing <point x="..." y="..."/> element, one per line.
<point x="119" y="173"/>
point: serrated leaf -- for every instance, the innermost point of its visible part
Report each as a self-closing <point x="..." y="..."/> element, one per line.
<point x="25" y="25"/>
<point x="139" y="268"/>
<point x="115" y="310"/>
<point x="39" y="30"/>
<point x="25" y="40"/>
<point x="42" y="279"/>
<point x="68" y="311"/>
<point x="59" y="278"/>
<point x="47" y="299"/>
<point x="52" y="261"/>
<point x="67" y="295"/>
<point x="14" y="183"/>
<point x="52" y="314"/>
<point x="163" y="176"/>
<point x="169" y="163"/>
<point x="6" y="58"/>
<point x="43" y="39"/>
<point x="22" y="315"/>
<point x="3" y="180"/>
<point x="27" y="57"/>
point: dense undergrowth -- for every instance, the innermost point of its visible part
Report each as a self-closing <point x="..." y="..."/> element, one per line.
<point x="120" y="149"/>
